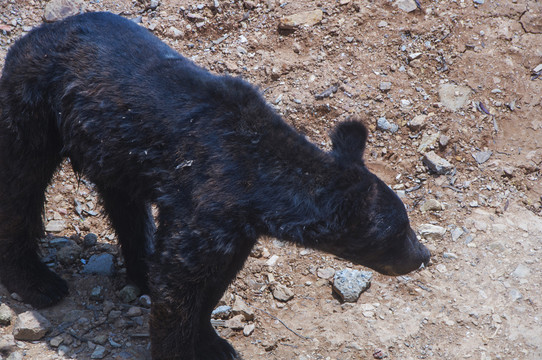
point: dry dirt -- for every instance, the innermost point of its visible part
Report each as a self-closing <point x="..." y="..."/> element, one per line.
<point x="478" y="299"/>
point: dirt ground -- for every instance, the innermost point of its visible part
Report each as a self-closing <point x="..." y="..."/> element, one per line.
<point x="479" y="298"/>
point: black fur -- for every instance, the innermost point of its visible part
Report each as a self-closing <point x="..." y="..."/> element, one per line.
<point x="148" y="126"/>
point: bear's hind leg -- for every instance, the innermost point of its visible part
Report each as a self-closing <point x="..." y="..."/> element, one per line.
<point x="26" y="169"/>
<point x="134" y="224"/>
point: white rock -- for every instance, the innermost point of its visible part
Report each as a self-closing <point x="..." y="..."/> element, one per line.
<point x="30" y="326"/>
<point x="431" y="232"/>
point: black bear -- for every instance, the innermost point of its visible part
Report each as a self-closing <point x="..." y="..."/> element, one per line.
<point x="148" y="126"/>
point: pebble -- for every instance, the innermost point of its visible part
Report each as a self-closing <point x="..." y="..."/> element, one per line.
<point x="99" y="352"/>
<point x="30" y="326"/>
<point x="129" y="293"/>
<point x="272" y="260"/>
<point x="5" y="314"/>
<point x="417" y="123"/>
<point x="58" y="243"/>
<point x="248" y="329"/>
<point x="482" y="156"/>
<point x="282" y="293"/>
<point x="325" y="273"/>
<point x="428" y="142"/>
<point x="383" y="124"/>
<point x="174" y="33"/>
<point x="7" y="343"/>
<point x="145" y="301"/>
<point x="382" y="24"/>
<point x="54" y="226"/>
<point x="456" y="233"/>
<point x="101" y="264"/>
<point x="56" y="341"/>
<point x="90" y="239"/>
<point x="306" y="18"/>
<point x="385" y="86"/>
<point x="431" y="205"/>
<point x="431" y="232"/>
<point x="15" y="356"/>
<point x="58" y="9"/>
<point x="406" y="5"/>
<point x="437" y="164"/>
<point x="134" y="311"/>
<point x="479" y="2"/>
<point x="522" y="271"/>
<point x="241" y="308"/>
<point x="449" y="255"/>
<point x="514" y="294"/>
<point x="69" y="254"/>
<point x="236" y="322"/>
<point x="454" y="97"/>
<point x="349" y="283"/>
<point x="221" y="312"/>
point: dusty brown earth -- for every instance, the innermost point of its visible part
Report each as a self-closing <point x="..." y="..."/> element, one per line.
<point x="479" y="298"/>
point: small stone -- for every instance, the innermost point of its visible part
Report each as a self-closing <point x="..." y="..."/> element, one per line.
<point x="58" y="243"/>
<point x="15" y="356"/>
<point x="69" y="254"/>
<point x="384" y="125"/>
<point x="241" y="308"/>
<point x="174" y="33"/>
<point x="441" y="268"/>
<point x="428" y="142"/>
<point x="100" y="339"/>
<point x="306" y="18"/>
<point x="58" y="9"/>
<point x="531" y="19"/>
<point x="514" y="294"/>
<point x="56" y="341"/>
<point x="443" y="140"/>
<point x="385" y="86"/>
<point x="454" y="97"/>
<point x="417" y="123"/>
<point x="134" y="311"/>
<point x="248" y="329"/>
<point x="195" y="17"/>
<point x="30" y="326"/>
<point x="431" y="232"/>
<point x="7" y="343"/>
<point x="522" y="271"/>
<point x="101" y="264"/>
<point x="129" y="293"/>
<point x="431" y="205"/>
<point x="414" y="56"/>
<point x="272" y="260"/>
<point x="236" y="322"/>
<point x="406" y="5"/>
<point x="349" y="283"/>
<point x="325" y="273"/>
<point x="145" y="301"/>
<point x="382" y="24"/>
<point x="54" y="226"/>
<point x="282" y="293"/>
<point x="249" y="5"/>
<point x="99" y="352"/>
<point x="221" y="312"/>
<point x="5" y="314"/>
<point x="479" y="2"/>
<point x="153" y="4"/>
<point x="90" y="239"/>
<point x="437" y="164"/>
<point x="96" y="294"/>
<point x="482" y="156"/>
<point x="456" y="233"/>
<point x="449" y="255"/>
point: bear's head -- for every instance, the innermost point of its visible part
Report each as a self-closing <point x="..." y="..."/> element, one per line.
<point x="373" y="225"/>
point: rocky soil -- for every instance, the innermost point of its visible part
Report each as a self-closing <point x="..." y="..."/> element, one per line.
<point x="452" y="93"/>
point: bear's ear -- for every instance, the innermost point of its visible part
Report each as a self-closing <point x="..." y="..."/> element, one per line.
<point x="349" y="138"/>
